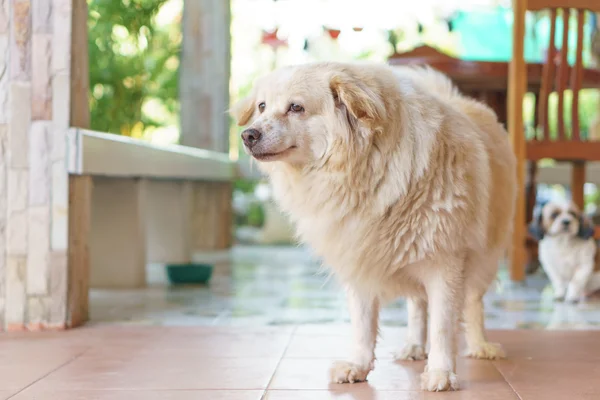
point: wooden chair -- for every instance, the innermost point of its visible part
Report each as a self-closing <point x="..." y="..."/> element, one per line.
<point x="558" y="76"/>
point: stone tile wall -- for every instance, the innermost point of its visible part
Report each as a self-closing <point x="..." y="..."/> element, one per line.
<point x="35" y="46"/>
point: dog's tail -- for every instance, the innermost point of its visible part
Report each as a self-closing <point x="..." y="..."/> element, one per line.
<point x="435" y="82"/>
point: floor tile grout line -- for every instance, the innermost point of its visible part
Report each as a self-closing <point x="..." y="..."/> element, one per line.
<point x="69" y="361"/>
<point x="292" y="335"/>
<point x="506" y="380"/>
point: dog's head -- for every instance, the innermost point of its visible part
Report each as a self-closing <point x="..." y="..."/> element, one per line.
<point x="299" y="114"/>
<point x="565" y="220"/>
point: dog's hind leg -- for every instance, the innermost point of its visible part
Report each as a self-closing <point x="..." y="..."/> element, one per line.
<point x="478" y="279"/>
<point x="414" y="349"/>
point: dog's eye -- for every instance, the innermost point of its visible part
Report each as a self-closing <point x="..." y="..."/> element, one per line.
<point x="555" y="214"/>
<point x="297" y="108"/>
<point x="261" y="107"/>
<point x="573" y="214"/>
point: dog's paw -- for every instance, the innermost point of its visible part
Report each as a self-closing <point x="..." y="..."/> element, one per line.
<point x="572" y="299"/>
<point x="437" y="380"/>
<point x="559" y="298"/>
<point x="411" y="352"/>
<point x="347" y="372"/>
<point x="559" y="294"/>
<point x="487" y="351"/>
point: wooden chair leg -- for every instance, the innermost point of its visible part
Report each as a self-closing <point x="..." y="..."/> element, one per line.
<point x="517" y="87"/>
<point x="531" y="195"/>
<point x="518" y="259"/>
<point x="531" y="189"/>
<point x="577" y="183"/>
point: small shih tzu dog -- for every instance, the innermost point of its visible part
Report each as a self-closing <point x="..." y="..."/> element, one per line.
<point x="567" y="249"/>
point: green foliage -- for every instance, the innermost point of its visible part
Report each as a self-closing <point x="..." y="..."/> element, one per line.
<point x="244" y="185"/>
<point x="593" y="198"/>
<point x="132" y="61"/>
<point x="256" y="215"/>
<point x="589" y="101"/>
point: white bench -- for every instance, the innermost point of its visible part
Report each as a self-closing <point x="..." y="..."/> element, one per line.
<point x="149" y="204"/>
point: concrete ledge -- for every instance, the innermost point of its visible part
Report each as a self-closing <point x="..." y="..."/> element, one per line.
<point x="104" y="154"/>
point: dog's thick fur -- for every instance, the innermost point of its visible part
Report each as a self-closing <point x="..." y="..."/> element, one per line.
<point x="403" y="186"/>
<point x="567" y="249"/>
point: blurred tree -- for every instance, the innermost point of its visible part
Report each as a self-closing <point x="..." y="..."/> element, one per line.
<point x="132" y="60"/>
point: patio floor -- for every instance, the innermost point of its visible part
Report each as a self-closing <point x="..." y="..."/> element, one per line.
<point x="281" y="363"/>
<point x="269" y="325"/>
<point x="282" y="286"/>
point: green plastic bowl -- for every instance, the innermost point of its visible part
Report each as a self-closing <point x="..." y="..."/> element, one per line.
<point x="180" y="274"/>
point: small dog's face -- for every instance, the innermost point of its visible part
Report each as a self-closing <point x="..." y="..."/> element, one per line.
<point x="561" y="220"/>
<point x="298" y="114"/>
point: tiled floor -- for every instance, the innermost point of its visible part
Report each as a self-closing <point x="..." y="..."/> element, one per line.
<point x="268" y="327"/>
<point x="278" y="363"/>
<point x="284" y="287"/>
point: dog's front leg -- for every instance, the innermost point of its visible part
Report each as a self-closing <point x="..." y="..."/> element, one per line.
<point x="576" y="288"/>
<point x="364" y="313"/>
<point x="443" y="284"/>
<point x="558" y="285"/>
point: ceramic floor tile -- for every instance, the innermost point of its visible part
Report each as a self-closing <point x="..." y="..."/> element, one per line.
<point x="171" y="337"/>
<point x="363" y="393"/>
<point x="369" y="393"/>
<point x="122" y="371"/>
<point x="25" y="360"/>
<point x="322" y="330"/>
<point x="7" y="394"/>
<point x="181" y="344"/>
<point x="565" y="376"/>
<point x="312" y="374"/>
<point x="553" y="394"/>
<point x="548" y="345"/>
<point x="337" y="347"/>
<point x="139" y="394"/>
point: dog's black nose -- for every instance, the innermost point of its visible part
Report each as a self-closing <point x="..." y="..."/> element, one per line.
<point x="566" y="222"/>
<point x="250" y="137"/>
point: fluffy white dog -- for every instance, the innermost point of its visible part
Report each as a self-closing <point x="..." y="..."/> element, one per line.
<point x="402" y="185"/>
<point x="567" y="249"/>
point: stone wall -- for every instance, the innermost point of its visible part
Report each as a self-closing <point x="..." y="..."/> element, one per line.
<point x="35" y="86"/>
<point x="44" y="212"/>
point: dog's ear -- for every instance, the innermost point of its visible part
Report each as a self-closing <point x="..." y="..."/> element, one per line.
<point x="243" y="110"/>
<point x="357" y="100"/>
<point x="536" y="227"/>
<point x="586" y="227"/>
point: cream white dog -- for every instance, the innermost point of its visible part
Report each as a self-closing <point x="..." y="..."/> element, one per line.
<point x="566" y="249"/>
<point x="404" y="188"/>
